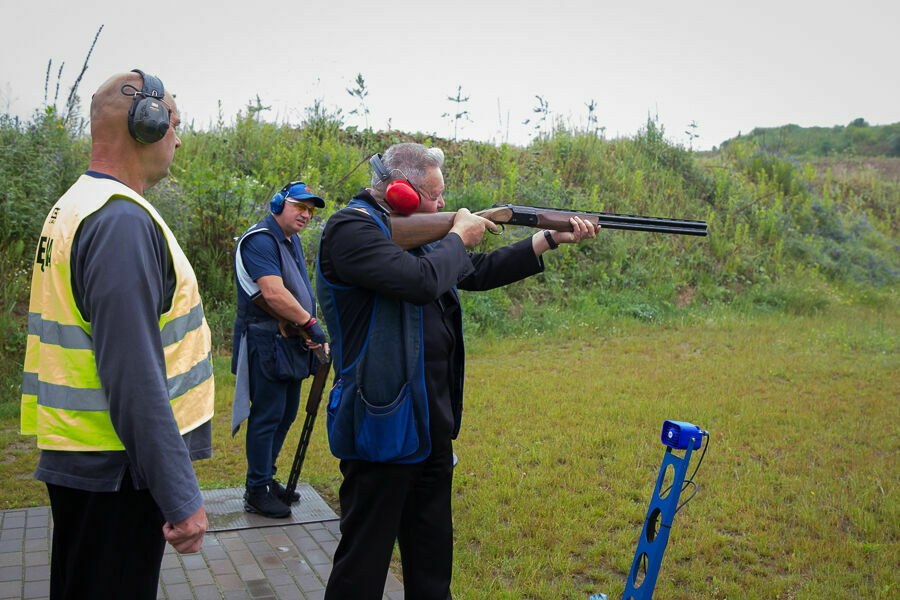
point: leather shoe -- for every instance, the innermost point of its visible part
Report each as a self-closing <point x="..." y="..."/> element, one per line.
<point x="265" y="502"/>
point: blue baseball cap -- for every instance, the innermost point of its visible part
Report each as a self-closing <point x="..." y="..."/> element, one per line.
<point x="297" y="190"/>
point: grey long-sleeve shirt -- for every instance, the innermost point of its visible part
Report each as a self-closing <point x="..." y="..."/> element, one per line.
<point x="123" y="280"/>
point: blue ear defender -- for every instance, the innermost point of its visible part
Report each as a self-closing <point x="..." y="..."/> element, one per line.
<point x="276" y="204"/>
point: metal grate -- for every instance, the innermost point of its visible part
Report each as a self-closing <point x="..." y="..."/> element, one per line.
<point x="225" y="510"/>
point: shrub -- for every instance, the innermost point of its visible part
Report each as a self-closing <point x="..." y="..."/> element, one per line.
<point x="781" y="236"/>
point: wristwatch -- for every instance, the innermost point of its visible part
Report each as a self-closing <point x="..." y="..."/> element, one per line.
<point x="550" y="241"/>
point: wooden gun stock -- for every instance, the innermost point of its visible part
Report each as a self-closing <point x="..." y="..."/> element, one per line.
<point x="418" y="229"/>
<point x="412" y="231"/>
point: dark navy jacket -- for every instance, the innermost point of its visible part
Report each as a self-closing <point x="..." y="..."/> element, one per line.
<point x="396" y="331"/>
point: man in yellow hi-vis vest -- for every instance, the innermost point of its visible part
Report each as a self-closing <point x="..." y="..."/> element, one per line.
<point x="118" y="384"/>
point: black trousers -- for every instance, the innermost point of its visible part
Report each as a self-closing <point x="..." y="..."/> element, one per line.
<point x="381" y="503"/>
<point x="105" y="544"/>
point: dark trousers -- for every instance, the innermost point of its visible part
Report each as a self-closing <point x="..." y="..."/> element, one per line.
<point x="105" y="544"/>
<point x="273" y="408"/>
<point x="381" y="503"/>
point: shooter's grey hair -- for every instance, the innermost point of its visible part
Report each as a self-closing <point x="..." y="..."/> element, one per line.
<point x="409" y="161"/>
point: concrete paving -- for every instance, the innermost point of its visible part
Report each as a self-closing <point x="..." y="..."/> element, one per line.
<point x="286" y="561"/>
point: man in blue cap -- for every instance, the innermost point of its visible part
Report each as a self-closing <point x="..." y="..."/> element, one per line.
<point x="269" y="265"/>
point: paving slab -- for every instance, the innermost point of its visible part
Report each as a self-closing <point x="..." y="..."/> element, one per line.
<point x="242" y="555"/>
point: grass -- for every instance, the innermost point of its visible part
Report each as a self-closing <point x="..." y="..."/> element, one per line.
<point x="560" y="450"/>
<point x="798" y="499"/>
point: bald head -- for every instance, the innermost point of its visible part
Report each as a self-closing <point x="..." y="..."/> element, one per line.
<point x="109" y="107"/>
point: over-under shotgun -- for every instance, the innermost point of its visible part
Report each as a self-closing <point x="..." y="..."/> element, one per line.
<point x="417" y="229"/>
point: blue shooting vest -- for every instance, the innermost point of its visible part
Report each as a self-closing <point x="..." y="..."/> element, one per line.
<point x="378" y="407"/>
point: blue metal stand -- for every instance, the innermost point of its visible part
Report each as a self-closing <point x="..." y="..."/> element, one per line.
<point x="655" y="534"/>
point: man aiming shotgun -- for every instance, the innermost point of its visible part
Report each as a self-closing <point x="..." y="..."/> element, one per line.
<point x="396" y="329"/>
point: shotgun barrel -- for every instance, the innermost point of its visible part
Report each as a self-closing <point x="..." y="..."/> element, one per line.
<point x="554" y="218"/>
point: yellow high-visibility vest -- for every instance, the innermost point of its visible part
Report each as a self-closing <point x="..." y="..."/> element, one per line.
<point x="63" y="402"/>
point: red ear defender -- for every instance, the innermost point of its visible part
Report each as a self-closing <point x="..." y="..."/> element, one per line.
<point x="402" y="197"/>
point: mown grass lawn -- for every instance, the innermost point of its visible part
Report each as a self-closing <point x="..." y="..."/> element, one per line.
<point x="798" y="491"/>
<point x="560" y="450"/>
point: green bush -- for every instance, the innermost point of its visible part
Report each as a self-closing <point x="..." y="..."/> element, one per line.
<point x="858" y="138"/>
<point x="782" y="236"/>
<point x="39" y="160"/>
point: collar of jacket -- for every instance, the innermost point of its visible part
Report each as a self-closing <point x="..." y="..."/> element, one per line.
<point x="366" y="196"/>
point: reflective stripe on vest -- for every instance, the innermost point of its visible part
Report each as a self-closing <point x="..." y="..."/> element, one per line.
<point x="63" y="402"/>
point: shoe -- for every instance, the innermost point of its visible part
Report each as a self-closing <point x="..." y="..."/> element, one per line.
<point x="281" y="492"/>
<point x="266" y="503"/>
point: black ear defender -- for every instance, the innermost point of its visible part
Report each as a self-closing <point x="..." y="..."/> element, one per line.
<point x="400" y="194"/>
<point x="149" y="116"/>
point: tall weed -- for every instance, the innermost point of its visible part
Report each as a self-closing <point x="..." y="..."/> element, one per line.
<point x="784" y="236"/>
<point x="15" y="275"/>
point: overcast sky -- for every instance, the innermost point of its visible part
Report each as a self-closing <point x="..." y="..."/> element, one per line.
<point x="728" y="66"/>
